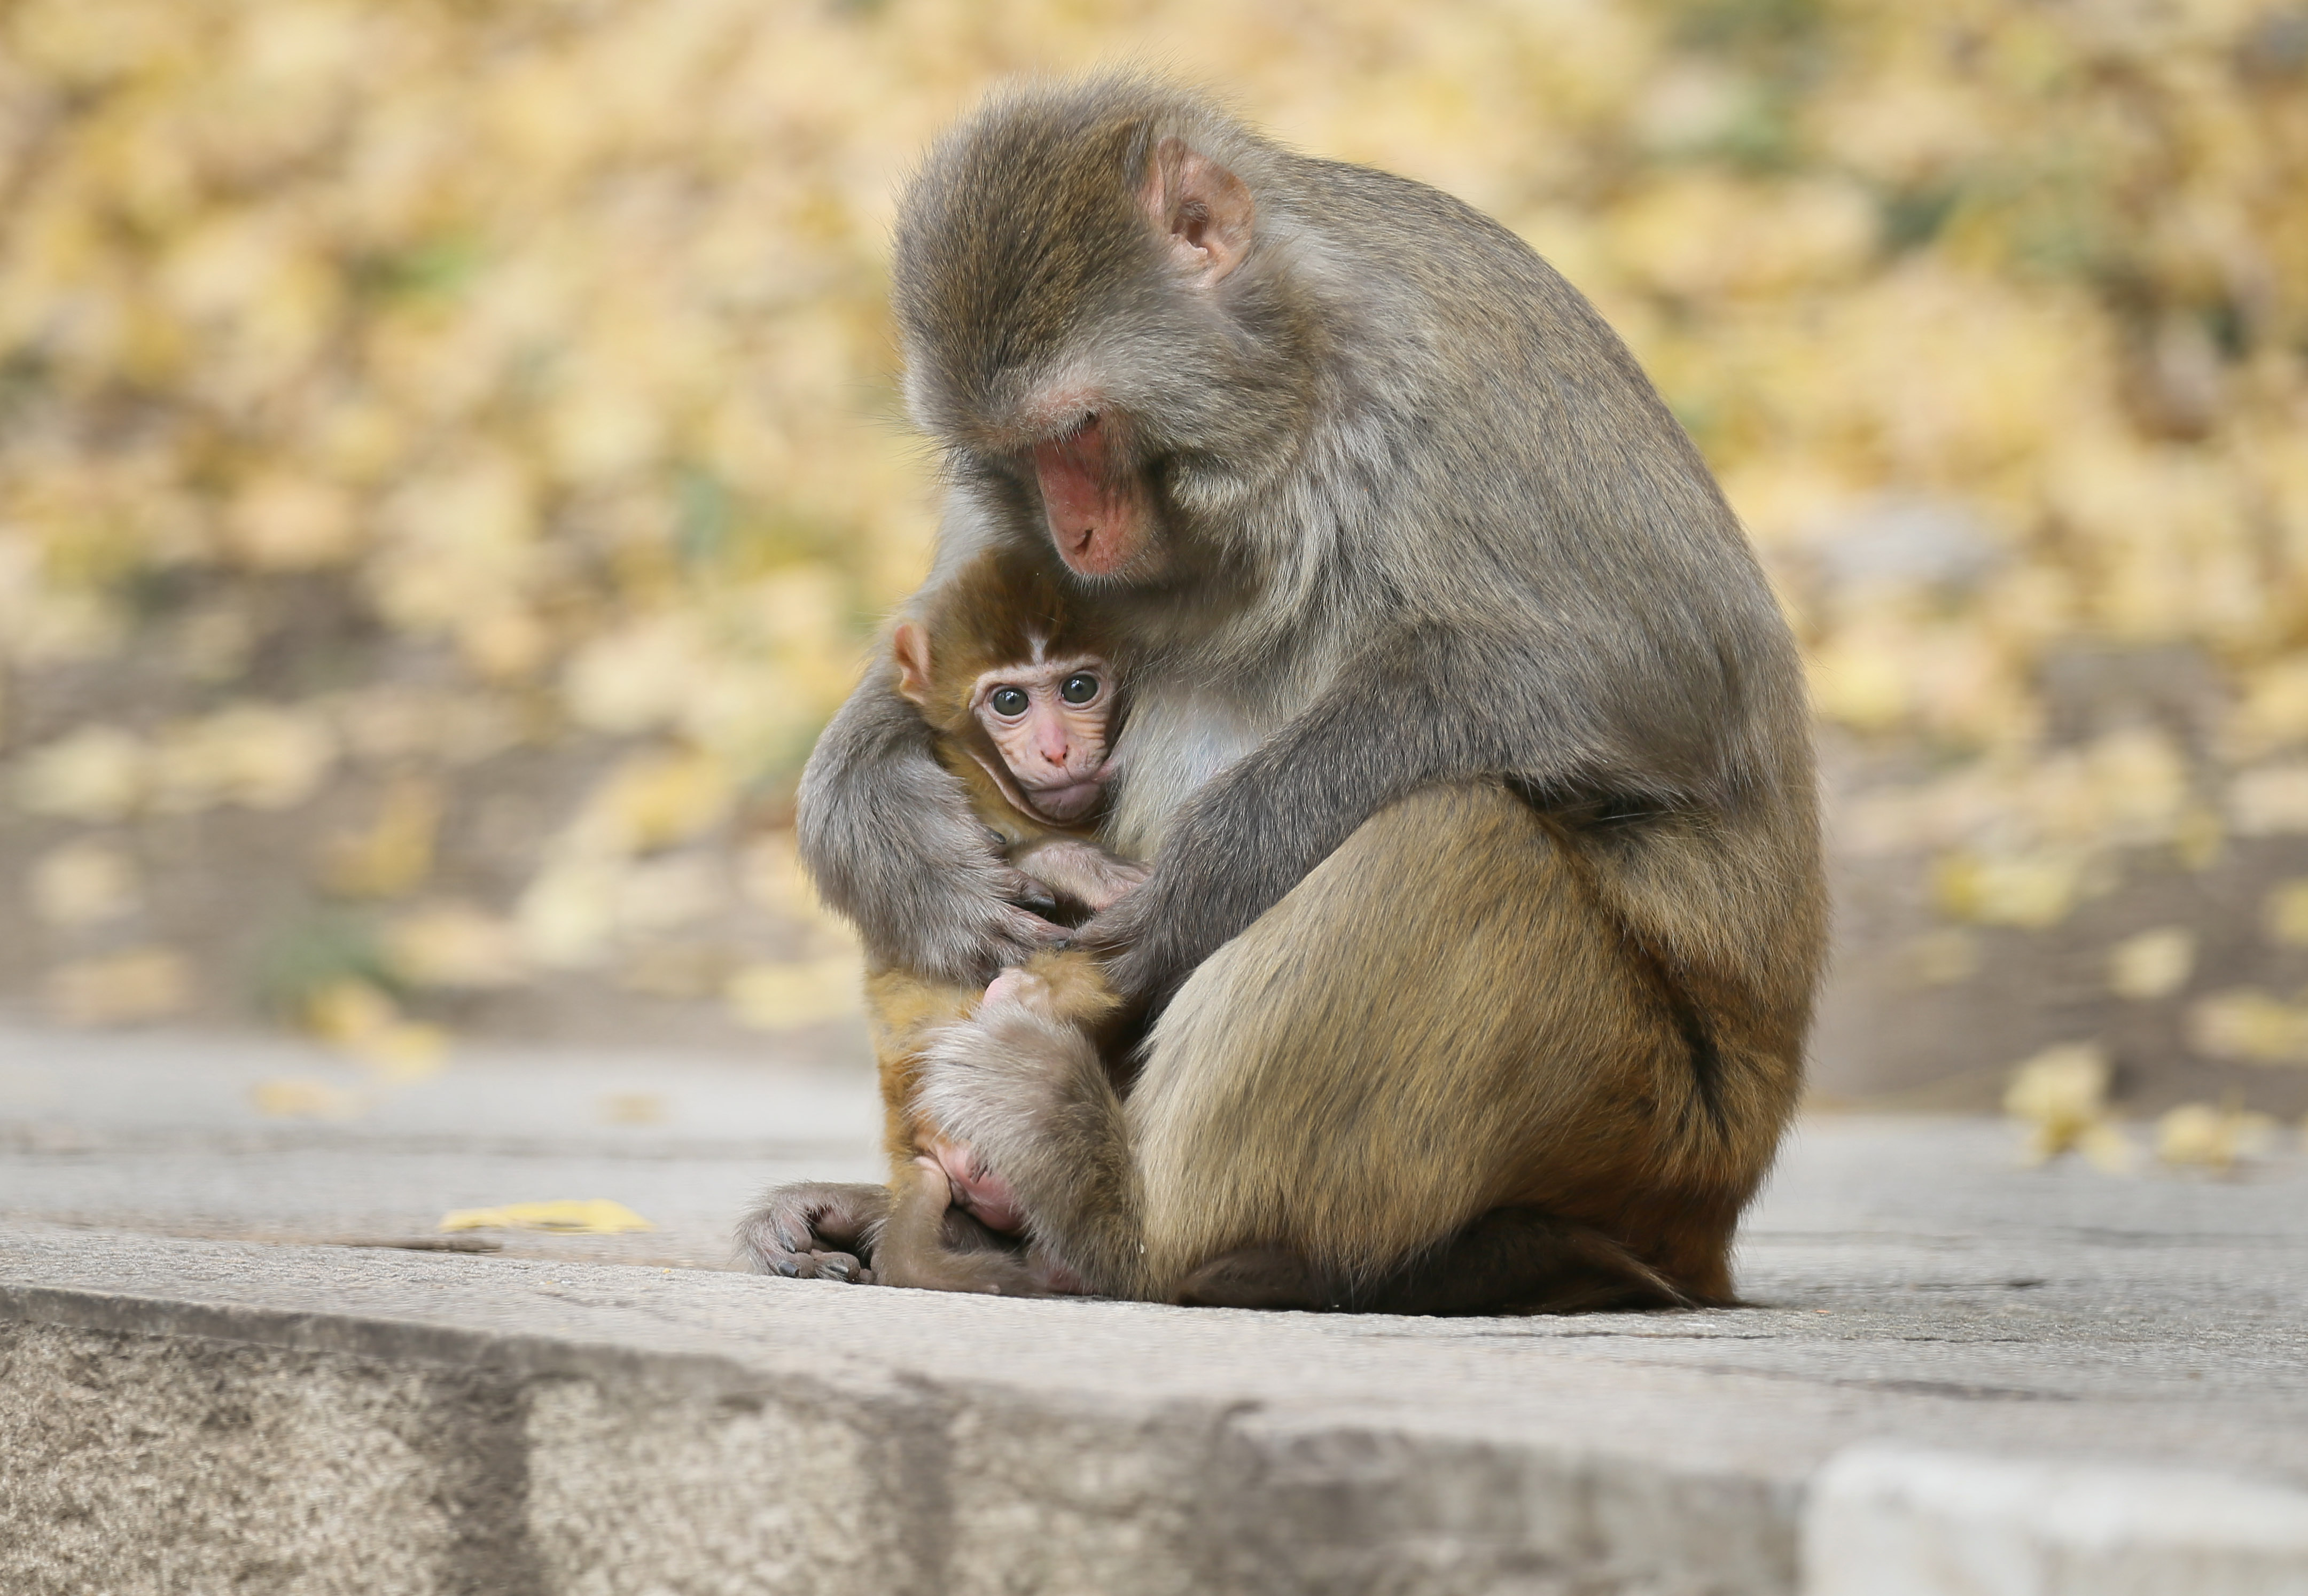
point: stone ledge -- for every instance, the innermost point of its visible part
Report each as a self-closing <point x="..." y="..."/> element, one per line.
<point x="188" y="1416"/>
<point x="1893" y="1520"/>
<point x="186" y="1442"/>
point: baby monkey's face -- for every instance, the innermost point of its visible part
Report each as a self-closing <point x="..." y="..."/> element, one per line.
<point x="1048" y="721"/>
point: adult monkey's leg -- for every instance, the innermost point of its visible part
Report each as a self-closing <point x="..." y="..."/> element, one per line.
<point x="1438" y="1022"/>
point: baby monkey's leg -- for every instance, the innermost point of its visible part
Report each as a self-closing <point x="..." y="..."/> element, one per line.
<point x="927" y="1243"/>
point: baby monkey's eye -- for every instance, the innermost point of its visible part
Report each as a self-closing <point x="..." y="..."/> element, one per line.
<point x="1008" y="703"/>
<point x="1080" y="688"/>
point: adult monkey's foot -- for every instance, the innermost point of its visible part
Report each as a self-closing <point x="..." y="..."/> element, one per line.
<point x="815" y="1230"/>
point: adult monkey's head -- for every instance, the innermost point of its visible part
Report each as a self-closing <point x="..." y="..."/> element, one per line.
<point x="1098" y="317"/>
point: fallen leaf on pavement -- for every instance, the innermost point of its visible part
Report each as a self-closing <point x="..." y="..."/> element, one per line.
<point x="596" y="1216"/>
<point x="295" y="1098"/>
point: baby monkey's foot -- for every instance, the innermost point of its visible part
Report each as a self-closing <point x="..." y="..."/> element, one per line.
<point x="985" y="1194"/>
<point x="1069" y="987"/>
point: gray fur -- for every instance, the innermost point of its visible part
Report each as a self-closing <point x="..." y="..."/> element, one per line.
<point x="1421" y="519"/>
<point x="1430" y="519"/>
<point x="1027" y="1091"/>
<point x="954" y="919"/>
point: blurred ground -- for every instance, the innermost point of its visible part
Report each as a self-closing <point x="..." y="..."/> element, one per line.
<point x="170" y="1135"/>
<point x="449" y="465"/>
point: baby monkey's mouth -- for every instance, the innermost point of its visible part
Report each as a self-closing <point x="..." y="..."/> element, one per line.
<point x="1068" y="800"/>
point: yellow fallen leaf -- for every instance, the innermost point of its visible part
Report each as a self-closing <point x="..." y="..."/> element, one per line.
<point x="2272" y="801"/>
<point x="787" y="997"/>
<point x="394" y="853"/>
<point x="282" y="521"/>
<point x="2105" y="1148"/>
<point x="2061" y="1093"/>
<point x="452" y="945"/>
<point x="2155" y="963"/>
<point x="83" y="883"/>
<point x="365" y="1023"/>
<point x="344" y="1009"/>
<point x="2200" y="837"/>
<point x="503" y="643"/>
<point x="98" y="773"/>
<point x="402" y="1051"/>
<point x="2032" y="891"/>
<point x="596" y="1216"/>
<point x="567" y="917"/>
<point x="296" y="1098"/>
<point x="2250" y="1026"/>
<point x="2286" y="913"/>
<point x="637" y="678"/>
<point x="653" y="801"/>
<point x="135" y="987"/>
<point x="2199" y="1134"/>
<point x="258" y="755"/>
<point x="1861" y="685"/>
<point x="633" y="1108"/>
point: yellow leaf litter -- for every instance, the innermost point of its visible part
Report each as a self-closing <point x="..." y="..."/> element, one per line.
<point x="593" y="1216"/>
<point x="2061" y="1094"/>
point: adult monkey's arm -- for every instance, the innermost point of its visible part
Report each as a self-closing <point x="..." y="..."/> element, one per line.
<point x="886" y="835"/>
<point x="1430" y="704"/>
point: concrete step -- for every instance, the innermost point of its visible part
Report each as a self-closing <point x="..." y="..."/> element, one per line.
<point x="1962" y="1378"/>
<point x="188" y="1416"/>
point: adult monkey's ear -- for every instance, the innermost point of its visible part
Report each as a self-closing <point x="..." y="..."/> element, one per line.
<point x="911" y="648"/>
<point x="1205" y="211"/>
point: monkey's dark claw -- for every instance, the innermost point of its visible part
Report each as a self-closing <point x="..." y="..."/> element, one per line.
<point x="837" y="1266"/>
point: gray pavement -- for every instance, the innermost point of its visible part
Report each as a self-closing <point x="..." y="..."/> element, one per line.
<point x="165" y="1135"/>
<point x="1928" y="1312"/>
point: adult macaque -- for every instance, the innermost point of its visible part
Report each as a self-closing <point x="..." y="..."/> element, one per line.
<point x="1005" y="666"/>
<point x="1467" y="741"/>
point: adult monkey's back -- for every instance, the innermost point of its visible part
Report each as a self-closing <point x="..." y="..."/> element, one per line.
<point x="1470" y="746"/>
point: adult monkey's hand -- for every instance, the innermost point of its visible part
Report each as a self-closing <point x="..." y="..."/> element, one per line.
<point x="887" y="836"/>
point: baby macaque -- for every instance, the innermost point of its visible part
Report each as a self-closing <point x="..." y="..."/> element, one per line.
<point x="1006" y="668"/>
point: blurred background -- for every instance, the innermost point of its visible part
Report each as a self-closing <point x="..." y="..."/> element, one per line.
<point x="451" y="466"/>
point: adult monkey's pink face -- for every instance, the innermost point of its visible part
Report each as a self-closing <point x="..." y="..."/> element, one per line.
<point x="1094" y="495"/>
<point x="1097" y="515"/>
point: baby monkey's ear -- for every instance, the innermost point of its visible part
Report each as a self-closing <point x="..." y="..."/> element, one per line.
<point x="912" y="647"/>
